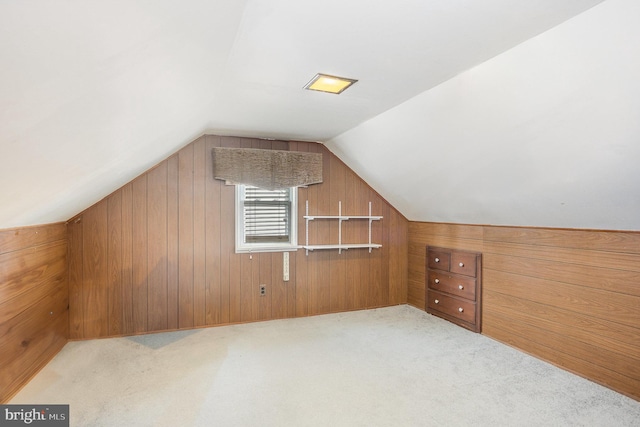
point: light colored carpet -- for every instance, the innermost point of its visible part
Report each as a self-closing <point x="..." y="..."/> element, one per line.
<point x="396" y="366"/>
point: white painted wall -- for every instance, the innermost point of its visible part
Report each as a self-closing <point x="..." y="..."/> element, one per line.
<point x="545" y="134"/>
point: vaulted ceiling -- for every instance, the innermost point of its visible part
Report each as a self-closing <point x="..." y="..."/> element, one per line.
<point x="495" y="112"/>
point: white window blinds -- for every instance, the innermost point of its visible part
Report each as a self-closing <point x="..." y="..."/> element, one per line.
<point x="267" y="215"/>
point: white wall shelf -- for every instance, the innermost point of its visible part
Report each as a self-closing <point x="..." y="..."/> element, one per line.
<point x="341" y="218"/>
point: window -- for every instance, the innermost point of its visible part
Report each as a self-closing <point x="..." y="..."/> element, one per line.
<point x="266" y="221"/>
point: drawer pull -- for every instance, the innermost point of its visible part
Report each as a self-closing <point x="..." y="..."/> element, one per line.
<point x="437" y="260"/>
<point x="460" y="287"/>
<point x="461" y="264"/>
<point x="437" y="301"/>
<point x="461" y="309"/>
<point x="436" y="281"/>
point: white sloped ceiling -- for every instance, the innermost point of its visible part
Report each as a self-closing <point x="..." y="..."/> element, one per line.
<point x="545" y="134"/>
<point x="94" y="92"/>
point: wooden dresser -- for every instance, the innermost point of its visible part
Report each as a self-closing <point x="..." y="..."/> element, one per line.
<point x="454" y="286"/>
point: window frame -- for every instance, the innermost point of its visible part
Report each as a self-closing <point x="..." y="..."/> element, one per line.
<point x="243" y="247"/>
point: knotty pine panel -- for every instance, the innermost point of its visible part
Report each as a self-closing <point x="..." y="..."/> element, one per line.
<point x="172" y="231"/>
<point x="570" y="297"/>
<point x="34" y="301"/>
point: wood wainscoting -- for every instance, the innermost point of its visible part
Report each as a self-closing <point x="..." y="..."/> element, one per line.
<point x="158" y="254"/>
<point x="571" y="297"/>
<point x="34" y="321"/>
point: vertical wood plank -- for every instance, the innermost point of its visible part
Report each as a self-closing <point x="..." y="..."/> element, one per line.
<point x="158" y="317"/>
<point x="127" y="259"/>
<point x="337" y="270"/>
<point x="380" y="291"/>
<point x="365" y="294"/>
<point x="199" y="249"/>
<point x="247" y="290"/>
<point x="172" y="242"/>
<point x="185" y="238"/>
<point x="230" y="274"/>
<point x="265" y="276"/>
<point x="351" y="234"/>
<point x="76" y="300"/>
<point x="324" y="236"/>
<point x="213" y="233"/>
<point x="279" y="298"/>
<point x="303" y="276"/>
<point x="139" y="254"/>
<point x="114" y="258"/>
<point x="95" y="268"/>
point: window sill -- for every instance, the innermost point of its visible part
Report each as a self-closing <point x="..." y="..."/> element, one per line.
<point x="267" y="248"/>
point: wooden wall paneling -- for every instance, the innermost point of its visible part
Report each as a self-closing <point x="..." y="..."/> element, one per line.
<point x="22" y="332"/>
<point x="185" y="238"/>
<point x="139" y="253"/>
<point x="75" y="265"/>
<point x="199" y="232"/>
<point x="127" y="259"/>
<point x="421" y="231"/>
<point x="247" y="290"/>
<point x="313" y="256"/>
<point x="280" y="145"/>
<point x="279" y="296"/>
<point x="230" y="274"/>
<point x="256" y="299"/>
<point x="300" y="281"/>
<point x="582" y="327"/>
<point x="177" y="247"/>
<point x="114" y="260"/>
<point x="592" y="258"/>
<point x="585" y="368"/>
<point x="24" y="270"/>
<point x="351" y="234"/>
<point x="376" y="290"/>
<point x="291" y="284"/>
<point x="15" y="239"/>
<point x="32" y="338"/>
<point x="337" y="266"/>
<point x="95" y="271"/>
<point x="172" y="243"/>
<point x="613" y="306"/>
<point x="620" y="278"/>
<point x="157" y="251"/>
<point x="384" y="253"/>
<point x="274" y="290"/>
<point x="365" y="292"/>
<point x="397" y="241"/>
<point x="324" y="236"/>
<point x="213" y="238"/>
<point x="608" y="241"/>
<point x="34" y="299"/>
<point x="249" y="278"/>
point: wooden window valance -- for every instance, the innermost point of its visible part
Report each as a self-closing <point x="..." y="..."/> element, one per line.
<point x="268" y="169"/>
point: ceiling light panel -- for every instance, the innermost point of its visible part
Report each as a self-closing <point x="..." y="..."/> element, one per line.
<point x="329" y="84"/>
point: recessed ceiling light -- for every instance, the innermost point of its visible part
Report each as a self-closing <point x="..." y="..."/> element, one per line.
<point x="330" y="84"/>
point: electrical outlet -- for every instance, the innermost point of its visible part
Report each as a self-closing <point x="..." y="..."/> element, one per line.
<point x="263" y="290"/>
<point x="285" y="266"/>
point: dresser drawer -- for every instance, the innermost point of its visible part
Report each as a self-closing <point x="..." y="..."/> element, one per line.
<point x="438" y="260"/>
<point x="463" y="263"/>
<point x="454" y="307"/>
<point x="461" y="286"/>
